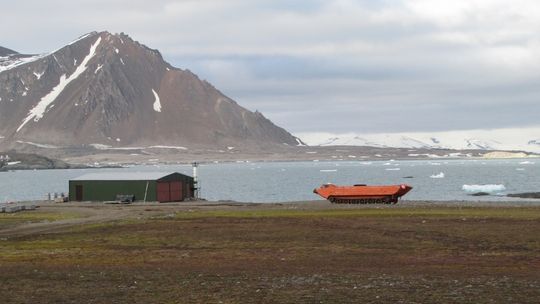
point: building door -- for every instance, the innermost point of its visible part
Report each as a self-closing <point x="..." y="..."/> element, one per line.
<point x="78" y="193"/>
<point x="176" y="191"/>
<point x="163" y="192"/>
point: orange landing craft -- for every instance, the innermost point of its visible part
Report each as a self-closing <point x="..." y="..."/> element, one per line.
<point x="362" y="194"/>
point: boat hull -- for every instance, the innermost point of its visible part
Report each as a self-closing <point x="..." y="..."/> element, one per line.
<point x="362" y="194"/>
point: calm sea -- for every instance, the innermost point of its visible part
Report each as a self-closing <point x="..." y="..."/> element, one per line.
<point x="294" y="181"/>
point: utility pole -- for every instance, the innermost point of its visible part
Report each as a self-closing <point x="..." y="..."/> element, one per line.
<point x="195" y="180"/>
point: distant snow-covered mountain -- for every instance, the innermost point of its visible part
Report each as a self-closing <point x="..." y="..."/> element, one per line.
<point x="511" y="139"/>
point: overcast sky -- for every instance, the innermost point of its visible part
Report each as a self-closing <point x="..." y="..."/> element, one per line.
<point x="335" y="66"/>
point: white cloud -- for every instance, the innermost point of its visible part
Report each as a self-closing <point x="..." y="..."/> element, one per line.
<point x="467" y="63"/>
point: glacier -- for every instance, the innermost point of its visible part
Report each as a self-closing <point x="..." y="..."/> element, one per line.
<point x="505" y="139"/>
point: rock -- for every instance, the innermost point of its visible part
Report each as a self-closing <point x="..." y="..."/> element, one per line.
<point x="480" y="194"/>
<point x="30" y="161"/>
<point x="525" y="195"/>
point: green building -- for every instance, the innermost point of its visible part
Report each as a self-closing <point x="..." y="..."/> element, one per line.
<point x="144" y="186"/>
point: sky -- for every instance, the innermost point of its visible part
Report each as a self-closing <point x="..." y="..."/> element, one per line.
<point x="327" y="66"/>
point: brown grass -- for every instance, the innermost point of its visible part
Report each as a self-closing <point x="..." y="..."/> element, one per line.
<point x="477" y="255"/>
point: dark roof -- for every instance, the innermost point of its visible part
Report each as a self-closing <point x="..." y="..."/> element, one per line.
<point x="123" y="176"/>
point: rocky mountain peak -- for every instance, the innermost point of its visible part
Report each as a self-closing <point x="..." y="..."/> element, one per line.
<point x="109" y="90"/>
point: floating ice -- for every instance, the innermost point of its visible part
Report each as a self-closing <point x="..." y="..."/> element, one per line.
<point x="440" y="175"/>
<point x="526" y="163"/>
<point x="393" y="169"/>
<point x="489" y="188"/>
<point x="328" y="170"/>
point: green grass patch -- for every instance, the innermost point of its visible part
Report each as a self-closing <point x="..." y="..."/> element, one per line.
<point x="12" y="219"/>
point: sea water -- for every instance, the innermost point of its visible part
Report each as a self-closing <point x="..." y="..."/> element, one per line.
<point x="439" y="180"/>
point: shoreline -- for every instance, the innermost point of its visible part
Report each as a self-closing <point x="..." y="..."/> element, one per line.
<point x="127" y="164"/>
<point x="302" y="204"/>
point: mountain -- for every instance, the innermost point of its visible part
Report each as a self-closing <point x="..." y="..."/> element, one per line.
<point x="5" y="52"/>
<point x="106" y="90"/>
<point x="506" y="139"/>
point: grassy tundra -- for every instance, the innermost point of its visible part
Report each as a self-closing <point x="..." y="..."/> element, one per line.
<point x="271" y="254"/>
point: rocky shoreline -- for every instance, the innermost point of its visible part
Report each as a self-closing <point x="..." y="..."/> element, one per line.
<point x="534" y="195"/>
<point x="13" y="160"/>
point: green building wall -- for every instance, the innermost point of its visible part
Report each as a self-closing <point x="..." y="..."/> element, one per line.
<point x="107" y="190"/>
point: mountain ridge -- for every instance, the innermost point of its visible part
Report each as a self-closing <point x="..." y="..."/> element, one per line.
<point x="504" y="139"/>
<point x="109" y="89"/>
<point x="5" y="51"/>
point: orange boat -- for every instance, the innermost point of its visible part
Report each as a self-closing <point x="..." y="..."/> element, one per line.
<point x="362" y="194"/>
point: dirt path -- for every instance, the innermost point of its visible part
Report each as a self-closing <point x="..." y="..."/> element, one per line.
<point x="90" y="213"/>
<point x="84" y="215"/>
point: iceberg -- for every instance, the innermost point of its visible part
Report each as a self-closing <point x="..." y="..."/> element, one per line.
<point x="490" y="188"/>
<point x="440" y="175"/>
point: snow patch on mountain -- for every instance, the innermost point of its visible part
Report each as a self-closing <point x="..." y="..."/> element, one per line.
<point x="168" y="147"/>
<point x="81" y="38"/>
<point x="38" y="75"/>
<point x="510" y="139"/>
<point x="10" y="62"/>
<point x="37" y="112"/>
<point x="45" y="146"/>
<point x="157" y="102"/>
